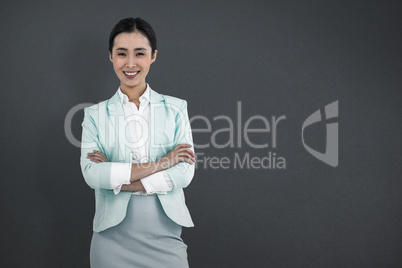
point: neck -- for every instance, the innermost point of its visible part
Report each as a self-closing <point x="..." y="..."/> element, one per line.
<point x="134" y="93"/>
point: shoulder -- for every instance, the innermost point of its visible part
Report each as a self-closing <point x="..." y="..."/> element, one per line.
<point x="96" y="109"/>
<point x="174" y="101"/>
<point x="97" y="106"/>
<point x="102" y="106"/>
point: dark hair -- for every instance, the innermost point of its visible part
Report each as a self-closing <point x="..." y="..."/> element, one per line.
<point x="130" y="25"/>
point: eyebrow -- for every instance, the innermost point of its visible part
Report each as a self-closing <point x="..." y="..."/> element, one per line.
<point x="136" y="49"/>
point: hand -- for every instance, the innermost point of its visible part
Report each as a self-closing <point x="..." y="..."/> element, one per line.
<point x="180" y="153"/>
<point x="135" y="186"/>
<point x="97" y="157"/>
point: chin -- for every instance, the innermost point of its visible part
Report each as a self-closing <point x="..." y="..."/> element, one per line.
<point x="130" y="85"/>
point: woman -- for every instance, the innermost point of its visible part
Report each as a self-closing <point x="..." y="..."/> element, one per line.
<point x="137" y="155"/>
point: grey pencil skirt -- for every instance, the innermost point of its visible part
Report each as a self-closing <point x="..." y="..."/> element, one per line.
<point x="146" y="237"/>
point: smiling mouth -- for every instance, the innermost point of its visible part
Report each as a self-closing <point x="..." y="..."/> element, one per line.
<point x="131" y="74"/>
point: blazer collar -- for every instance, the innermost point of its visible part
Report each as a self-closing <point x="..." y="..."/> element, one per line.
<point x="115" y="107"/>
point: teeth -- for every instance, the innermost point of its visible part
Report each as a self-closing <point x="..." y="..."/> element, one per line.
<point x="130" y="73"/>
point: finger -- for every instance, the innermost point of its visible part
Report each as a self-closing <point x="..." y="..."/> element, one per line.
<point x="188" y="160"/>
<point x="101" y="155"/>
<point x="188" y="156"/>
<point x="184" y="159"/>
<point x="93" y="154"/>
<point x="184" y="145"/>
<point x="180" y="148"/>
<point x="97" y="158"/>
<point x="191" y="152"/>
<point x="94" y="160"/>
<point x="187" y="151"/>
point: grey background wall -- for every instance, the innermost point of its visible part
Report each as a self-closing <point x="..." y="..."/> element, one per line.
<point x="277" y="58"/>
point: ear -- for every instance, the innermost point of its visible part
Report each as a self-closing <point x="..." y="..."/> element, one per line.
<point x="110" y="56"/>
<point x="153" y="57"/>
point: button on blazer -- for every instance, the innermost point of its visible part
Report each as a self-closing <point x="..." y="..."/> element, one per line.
<point x="104" y="129"/>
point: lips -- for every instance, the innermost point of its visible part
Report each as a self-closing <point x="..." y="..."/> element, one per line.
<point x="130" y="74"/>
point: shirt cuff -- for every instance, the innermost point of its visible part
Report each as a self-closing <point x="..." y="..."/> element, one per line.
<point x="157" y="183"/>
<point x="120" y="173"/>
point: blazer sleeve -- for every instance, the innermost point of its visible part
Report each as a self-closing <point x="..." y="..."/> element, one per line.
<point x="96" y="175"/>
<point x="182" y="173"/>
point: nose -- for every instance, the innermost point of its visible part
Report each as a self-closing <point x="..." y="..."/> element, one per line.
<point x="130" y="63"/>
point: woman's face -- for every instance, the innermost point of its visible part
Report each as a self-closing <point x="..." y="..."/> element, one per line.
<point x="131" y="57"/>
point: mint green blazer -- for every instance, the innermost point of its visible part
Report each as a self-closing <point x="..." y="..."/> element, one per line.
<point x="104" y="130"/>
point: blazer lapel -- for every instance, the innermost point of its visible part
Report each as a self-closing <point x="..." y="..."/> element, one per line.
<point x="156" y="123"/>
<point x="117" y="129"/>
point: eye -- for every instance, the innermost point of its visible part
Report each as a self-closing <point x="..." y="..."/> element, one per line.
<point x="121" y="54"/>
<point x="140" y="54"/>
